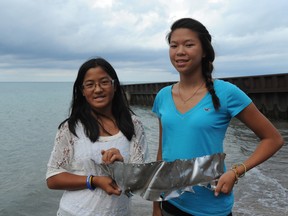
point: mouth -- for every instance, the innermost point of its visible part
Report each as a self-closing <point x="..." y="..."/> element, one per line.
<point x="99" y="97"/>
<point x="181" y="62"/>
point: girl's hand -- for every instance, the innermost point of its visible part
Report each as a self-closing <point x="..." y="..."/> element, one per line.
<point x="111" y="155"/>
<point x="226" y="183"/>
<point x="107" y="184"/>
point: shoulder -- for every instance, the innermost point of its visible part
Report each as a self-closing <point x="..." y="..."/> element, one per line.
<point x="165" y="89"/>
<point x="231" y="96"/>
<point x="63" y="127"/>
<point x="227" y="88"/>
<point x="136" y="121"/>
<point x="222" y="84"/>
<point x="162" y="93"/>
<point x="138" y="126"/>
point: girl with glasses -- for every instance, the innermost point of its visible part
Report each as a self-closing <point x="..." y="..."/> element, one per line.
<point x="100" y="128"/>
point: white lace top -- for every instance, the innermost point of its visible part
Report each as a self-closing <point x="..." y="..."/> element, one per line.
<point x="73" y="154"/>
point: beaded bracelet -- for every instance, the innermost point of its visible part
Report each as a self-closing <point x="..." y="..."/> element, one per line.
<point x="89" y="182"/>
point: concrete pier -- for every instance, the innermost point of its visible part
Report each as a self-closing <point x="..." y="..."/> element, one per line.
<point x="268" y="92"/>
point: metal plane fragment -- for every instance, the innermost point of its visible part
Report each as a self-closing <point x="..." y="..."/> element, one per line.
<point x="160" y="180"/>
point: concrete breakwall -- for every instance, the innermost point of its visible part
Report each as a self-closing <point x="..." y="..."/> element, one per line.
<point x="268" y="92"/>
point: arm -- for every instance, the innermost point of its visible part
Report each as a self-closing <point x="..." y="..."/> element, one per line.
<point x="69" y="181"/>
<point x="139" y="147"/>
<point x="156" y="205"/>
<point x="270" y="142"/>
<point x="59" y="175"/>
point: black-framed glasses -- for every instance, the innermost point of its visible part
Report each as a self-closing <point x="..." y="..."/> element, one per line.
<point x="103" y="84"/>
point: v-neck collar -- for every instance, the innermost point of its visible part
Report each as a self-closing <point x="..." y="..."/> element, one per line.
<point x="191" y="109"/>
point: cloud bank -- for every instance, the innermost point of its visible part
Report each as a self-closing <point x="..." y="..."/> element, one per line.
<point x="49" y="40"/>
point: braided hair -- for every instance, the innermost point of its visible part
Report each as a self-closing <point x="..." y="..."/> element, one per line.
<point x="207" y="61"/>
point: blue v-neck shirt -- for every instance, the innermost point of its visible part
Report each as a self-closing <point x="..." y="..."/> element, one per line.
<point x="199" y="131"/>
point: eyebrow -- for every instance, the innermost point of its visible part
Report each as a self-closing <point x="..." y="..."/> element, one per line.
<point x="101" y="79"/>
<point x="188" y="40"/>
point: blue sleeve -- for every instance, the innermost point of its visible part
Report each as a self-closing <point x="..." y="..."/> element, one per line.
<point x="155" y="108"/>
<point x="237" y="100"/>
<point x="160" y="100"/>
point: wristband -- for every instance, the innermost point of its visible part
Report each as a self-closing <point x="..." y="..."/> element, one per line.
<point x="89" y="182"/>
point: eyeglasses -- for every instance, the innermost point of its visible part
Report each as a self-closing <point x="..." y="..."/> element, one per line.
<point x="103" y="84"/>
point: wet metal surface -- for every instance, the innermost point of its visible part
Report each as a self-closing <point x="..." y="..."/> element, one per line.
<point x="160" y="180"/>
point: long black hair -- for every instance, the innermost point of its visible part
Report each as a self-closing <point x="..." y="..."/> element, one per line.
<point x="81" y="111"/>
<point x="207" y="61"/>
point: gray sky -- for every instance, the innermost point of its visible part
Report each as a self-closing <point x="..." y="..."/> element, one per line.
<point x="48" y="40"/>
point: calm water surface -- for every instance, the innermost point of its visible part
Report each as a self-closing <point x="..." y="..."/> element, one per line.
<point x="30" y="114"/>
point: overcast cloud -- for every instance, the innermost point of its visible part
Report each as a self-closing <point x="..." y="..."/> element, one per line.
<point x="44" y="40"/>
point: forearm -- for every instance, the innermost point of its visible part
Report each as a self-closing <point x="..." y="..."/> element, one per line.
<point x="270" y="142"/>
<point x="265" y="149"/>
<point x="67" y="181"/>
<point x="270" y="139"/>
<point x="156" y="209"/>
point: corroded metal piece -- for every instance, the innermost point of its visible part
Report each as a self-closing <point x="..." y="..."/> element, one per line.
<point x="160" y="180"/>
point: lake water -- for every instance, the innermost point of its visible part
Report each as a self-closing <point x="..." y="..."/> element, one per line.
<point x="30" y="114"/>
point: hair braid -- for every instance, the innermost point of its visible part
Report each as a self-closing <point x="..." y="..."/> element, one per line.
<point x="210" y="86"/>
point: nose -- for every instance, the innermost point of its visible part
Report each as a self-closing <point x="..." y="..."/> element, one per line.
<point x="97" y="87"/>
<point x="180" y="51"/>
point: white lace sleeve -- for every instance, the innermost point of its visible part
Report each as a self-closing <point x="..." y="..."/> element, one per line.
<point x="139" y="147"/>
<point x="62" y="153"/>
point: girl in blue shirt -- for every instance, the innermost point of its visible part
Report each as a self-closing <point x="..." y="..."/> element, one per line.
<point x="194" y="115"/>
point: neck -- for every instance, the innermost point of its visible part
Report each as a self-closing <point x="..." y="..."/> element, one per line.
<point x="190" y="84"/>
<point x="107" y="112"/>
<point x="107" y="124"/>
<point x="103" y="116"/>
<point x="191" y="80"/>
